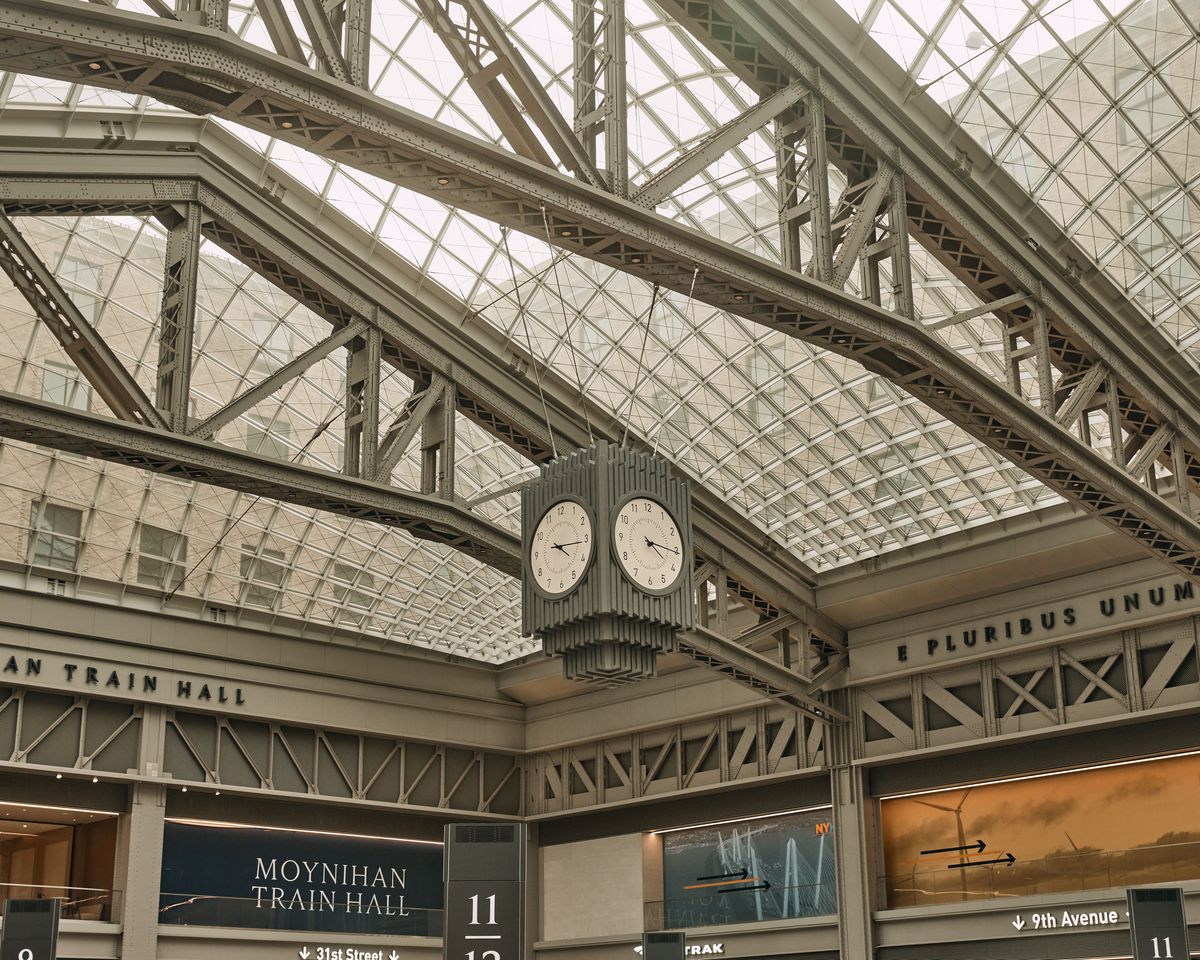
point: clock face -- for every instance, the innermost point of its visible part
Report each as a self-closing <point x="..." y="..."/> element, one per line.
<point x="648" y="544"/>
<point x="561" y="548"/>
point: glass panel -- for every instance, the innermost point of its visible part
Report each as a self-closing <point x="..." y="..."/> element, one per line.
<point x="264" y="575"/>
<point x="55" y="535"/>
<point x="161" y="557"/>
<point x="63" y="384"/>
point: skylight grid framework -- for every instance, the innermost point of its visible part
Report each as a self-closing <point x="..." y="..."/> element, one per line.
<point x="806" y="476"/>
<point x="502" y="188"/>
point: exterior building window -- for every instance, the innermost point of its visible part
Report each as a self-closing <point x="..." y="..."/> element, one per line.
<point x="63" y="384"/>
<point x="273" y="339"/>
<point x="55" y="532"/>
<point x="768" y="397"/>
<point x="161" y="557"/>
<point x="263" y="575"/>
<point x="268" y="437"/>
<point x="351" y="585"/>
<point x="82" y="280"/>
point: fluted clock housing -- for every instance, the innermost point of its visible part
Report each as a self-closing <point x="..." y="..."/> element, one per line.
<point x="634" y="593"/>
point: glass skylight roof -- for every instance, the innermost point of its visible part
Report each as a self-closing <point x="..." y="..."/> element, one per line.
<point x="1092" y="108"/>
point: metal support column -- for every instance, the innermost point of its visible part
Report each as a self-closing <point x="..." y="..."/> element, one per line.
<point x="140" y="843"/>
<point x="178" y="321"/>
<point x="437" y="446"/>
<point x="803" y="179"/>
<point x="357" y="40"/>
<point x="362" y="404"/>
<point x="213" y="14"/>
<point x="599" y="82"/>
<point x="854" y="823"/>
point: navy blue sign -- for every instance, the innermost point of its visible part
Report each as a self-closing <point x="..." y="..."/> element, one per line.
<point x="285" y="879"/>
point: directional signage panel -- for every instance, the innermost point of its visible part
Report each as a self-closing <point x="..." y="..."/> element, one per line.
<point x="485" y="892"/>
<point x="668" y="945"/>
<point x="30" y="930"/>
<point x="1158" y="924"/>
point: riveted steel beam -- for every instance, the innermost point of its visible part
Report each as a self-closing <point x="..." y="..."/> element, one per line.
<point x="428" y="518"/>
<point x="177" y="321"/>
<point x="481" y="47"/>
<point x="756" y="671"/>
<point x="279" y="28"/>
<point x="275" y="238"/>
<point x="980" y="225"/>
<point x="718" y="143"/>
<point x="289" y="371"/>
<point x="91" y="44"/>
<point x="85" y="346"/>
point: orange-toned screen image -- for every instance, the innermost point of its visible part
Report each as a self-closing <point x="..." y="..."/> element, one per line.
<point x="1085" y="830"/>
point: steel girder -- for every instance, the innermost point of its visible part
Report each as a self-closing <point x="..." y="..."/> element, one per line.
<point x="308" y="265"/>
<point x="214" y="73"/>
<point x="78" y="338"/>
<point x="423" y="335"/>
<point x="429" y="518"/>
<point x="987" y="235"/>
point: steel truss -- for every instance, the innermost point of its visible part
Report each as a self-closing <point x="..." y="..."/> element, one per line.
<point x="1149" y="669"/>
<point x="447" y="376"/>
<point x="1078" y="354"/>
<point x="213" y="73"/>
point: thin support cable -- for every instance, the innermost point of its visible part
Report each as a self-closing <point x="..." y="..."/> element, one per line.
<point x="692" y="311"/>
<point x="255" y="497"/>
<point x="537" y="376"/>
<point x="637" y="382"/>
<point x="569" y="326"/>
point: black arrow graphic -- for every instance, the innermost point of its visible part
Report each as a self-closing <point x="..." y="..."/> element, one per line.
<point x="1008" y="860"/>
<point x="765" y="885"/>
<point x="740" y="875"/>
<point x="978" y="846"/>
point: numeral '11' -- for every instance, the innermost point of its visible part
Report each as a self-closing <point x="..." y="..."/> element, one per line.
<point x="491" y="902"/>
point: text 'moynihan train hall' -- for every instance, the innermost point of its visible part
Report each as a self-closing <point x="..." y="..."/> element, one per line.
<point x="581" y="479"/>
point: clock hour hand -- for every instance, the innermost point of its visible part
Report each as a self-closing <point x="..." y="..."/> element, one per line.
<point x="660" y="548"/>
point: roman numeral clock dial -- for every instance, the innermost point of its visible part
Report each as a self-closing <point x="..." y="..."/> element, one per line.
<point x="561" y="548"/>
<point x="648" y="544"/>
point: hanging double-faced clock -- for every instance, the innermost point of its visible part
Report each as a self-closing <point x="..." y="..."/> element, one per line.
<point x="608" y="561"/>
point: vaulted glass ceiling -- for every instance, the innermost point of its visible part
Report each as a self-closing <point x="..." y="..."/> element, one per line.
<point x="830" y="461"/>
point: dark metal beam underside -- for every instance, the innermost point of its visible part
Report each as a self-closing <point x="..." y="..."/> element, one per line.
<point x="186" y="458"/>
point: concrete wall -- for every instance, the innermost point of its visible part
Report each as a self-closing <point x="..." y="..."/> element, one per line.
<point x="592" y="888"/>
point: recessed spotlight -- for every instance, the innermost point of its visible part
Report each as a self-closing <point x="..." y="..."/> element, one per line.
<point x="287" y="124"/>
<point x="58" y="776"/>
<point x="95" y="779"/>
<point x="217" y="794"/>
<point x="93" y="65"/>
<point x="442" y="181"/>
<point x="185" y="789"/>
<point x="564" y="233"/>
<point x="635" y="260"/>
<point x="738" y="297"/>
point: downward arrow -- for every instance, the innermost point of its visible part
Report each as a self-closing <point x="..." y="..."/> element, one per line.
<point x="304" y="954"/>
<point x="394" y="956"/>
<point x="1019" y="923"/>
